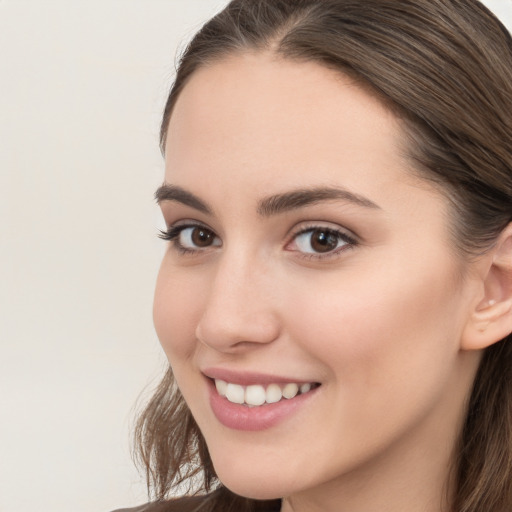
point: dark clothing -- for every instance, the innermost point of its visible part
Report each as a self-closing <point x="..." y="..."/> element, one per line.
<point x="195" y="504"/>
<point x="179" y="505"/>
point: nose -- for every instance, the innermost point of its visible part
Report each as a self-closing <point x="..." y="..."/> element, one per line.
<point x="240" y="310"/>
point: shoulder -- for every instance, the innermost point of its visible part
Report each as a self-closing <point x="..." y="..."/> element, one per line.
<point x="187" y="504"/>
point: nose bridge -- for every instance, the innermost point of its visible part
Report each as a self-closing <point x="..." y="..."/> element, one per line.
<point x="238" y="308"/>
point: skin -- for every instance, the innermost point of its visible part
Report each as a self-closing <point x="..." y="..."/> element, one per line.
<point x="379" y="323"/>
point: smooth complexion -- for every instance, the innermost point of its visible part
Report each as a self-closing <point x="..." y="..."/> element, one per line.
<point x="377" y="316"/>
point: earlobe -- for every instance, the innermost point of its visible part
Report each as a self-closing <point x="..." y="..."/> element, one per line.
<point x="491" y="319"/>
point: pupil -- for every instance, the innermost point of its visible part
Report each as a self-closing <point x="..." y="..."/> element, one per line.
<point x="324" y="241"/>
<point x="201" y="237"/>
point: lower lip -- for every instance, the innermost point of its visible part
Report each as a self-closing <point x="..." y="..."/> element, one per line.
<point x="242" y="417"/>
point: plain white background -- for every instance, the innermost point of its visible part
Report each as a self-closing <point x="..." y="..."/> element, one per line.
<point x="82" y="86"/>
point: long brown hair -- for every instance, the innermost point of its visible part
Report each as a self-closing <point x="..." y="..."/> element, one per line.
<point x="445" y="69"/>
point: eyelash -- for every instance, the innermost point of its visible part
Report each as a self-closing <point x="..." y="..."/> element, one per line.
<point x="173" y="233"/>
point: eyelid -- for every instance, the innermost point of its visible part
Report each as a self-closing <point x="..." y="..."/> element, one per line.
<point x="175" y="228"/>
<point x="307" y="226"/>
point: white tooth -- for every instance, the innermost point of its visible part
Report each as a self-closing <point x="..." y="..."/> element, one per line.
<point x="235" y="393"/>
<point x="221" y="386"/>
<point x="305" y="388"/>
<point x="290" y="390"/>
<point x="274" y="394"/>
<point x="254" y="395"/>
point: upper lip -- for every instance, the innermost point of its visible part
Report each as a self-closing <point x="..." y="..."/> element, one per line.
<point x="247" y="378"/>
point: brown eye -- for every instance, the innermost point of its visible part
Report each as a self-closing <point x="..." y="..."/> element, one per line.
<point x="202" y="237"/>
<point x="196" y="237"/>
<point x="321" y="241"/>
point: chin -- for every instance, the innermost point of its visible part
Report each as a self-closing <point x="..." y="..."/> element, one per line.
<point x="255" y="489"/>
<point x="255" y="484"/>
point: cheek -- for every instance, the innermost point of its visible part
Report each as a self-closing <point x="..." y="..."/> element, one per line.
<point x="366" y="327"/>
<point x="176" y="312"/>
<point x="388" y="348"/>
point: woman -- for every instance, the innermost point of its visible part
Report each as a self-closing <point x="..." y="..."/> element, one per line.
<point x="336" y="298"/>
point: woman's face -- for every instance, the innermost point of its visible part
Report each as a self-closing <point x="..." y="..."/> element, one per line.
<point x="306" y="257"/>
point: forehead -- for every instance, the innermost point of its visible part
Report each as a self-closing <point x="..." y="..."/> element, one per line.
<point x="263" y="88"/>
<point x="277" y="123"/>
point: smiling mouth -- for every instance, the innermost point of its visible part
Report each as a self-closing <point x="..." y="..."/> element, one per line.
<point x="257" y="395"/>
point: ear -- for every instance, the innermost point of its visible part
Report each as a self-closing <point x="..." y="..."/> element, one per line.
<point x="491" y="318"/>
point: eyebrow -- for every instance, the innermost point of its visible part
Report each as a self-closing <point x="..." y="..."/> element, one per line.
<point x="273" y="205"/>
<point x="168" y="192"/>
<point x="295" y="199"/>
